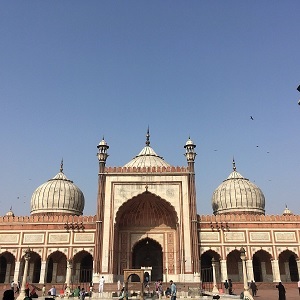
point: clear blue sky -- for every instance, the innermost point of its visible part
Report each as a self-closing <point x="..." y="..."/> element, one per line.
<point x="73" y="71"/>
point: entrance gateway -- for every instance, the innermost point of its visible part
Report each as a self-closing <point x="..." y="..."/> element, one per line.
<point x="134" y="272"/>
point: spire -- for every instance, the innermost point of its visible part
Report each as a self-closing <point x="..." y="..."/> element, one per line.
<point x="233" y="164"/>
<point x="61" y="166"/>
<point x="148" y="137"/>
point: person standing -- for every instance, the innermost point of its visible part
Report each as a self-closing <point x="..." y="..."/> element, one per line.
<point x="226" y="286"/>
<point x="44" y="290"/>
<point x="101" y="285"/>
<point x="253" y="288"/>
<point x="82" y="294"/>
<point x="52" y="291"/>
<point x="281" y="291"/>
<point x="229" y="286"/>
<point x="12" y="286"/>
<point x="173" y="290"/>
<point x="160" y="291"/>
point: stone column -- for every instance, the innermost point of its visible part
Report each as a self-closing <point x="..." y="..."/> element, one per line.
<point x="240" y="268"/>
<point x="17" y="271"/>
<point x="298" y="266"/>
<point x="77" y="272"/>
<point x="43" y="272"/>
<point x="69" y="272"/>
<point x="54" y="273"/>
<point x="215" y="289"/>
<point x="224" y="275"/>
<point x="247" y="295"/>
<point x="287" y="271"/>
<point x="30" y="273"/>
<point x="23" y="286"/>
<point x="263" y="271"/>
<point x="7" y="274"/>
<point x="249" y="267"/>
<point x="275" y="270"/>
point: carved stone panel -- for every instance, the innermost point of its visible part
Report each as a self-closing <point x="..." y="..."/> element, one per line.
<point x="210" y="236"/>
<point x="34" y="238"/>
<point x="260" y="237"/>
<point x="9" y="238"/>
<point x="285" y="236"/>
<point x="234" y="236"/>
<point x="55" y="238"/>
<point x="83" y="237"/>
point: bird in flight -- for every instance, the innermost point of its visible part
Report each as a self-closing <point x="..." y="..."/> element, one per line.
<point x="251" y="118"/>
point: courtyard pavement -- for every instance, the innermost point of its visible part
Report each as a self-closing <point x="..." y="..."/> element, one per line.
<point x="263" y="294"/>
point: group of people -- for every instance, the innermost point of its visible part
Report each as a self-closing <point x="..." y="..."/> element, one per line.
<point x="228" y="286"/>
<point x="170" y="292"/>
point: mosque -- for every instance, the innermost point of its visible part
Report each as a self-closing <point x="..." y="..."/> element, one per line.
<point x="147" y="219"/>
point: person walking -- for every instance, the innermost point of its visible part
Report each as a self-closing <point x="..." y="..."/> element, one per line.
<point x="281" y="291"/>
<point x="253" y="288"/>
<point x="173" y="290"/>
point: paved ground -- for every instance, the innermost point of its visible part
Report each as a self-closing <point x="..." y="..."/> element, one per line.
<point x="263" y="294"/>
<point x="272" y="294"/>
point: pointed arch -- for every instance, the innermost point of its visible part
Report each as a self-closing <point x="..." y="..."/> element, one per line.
<point x="82" y="267"/>
<point x="7" y="267"/>
<point x="288" y="266"/>
<point x="56" y="267"/>
<point x="146" y="209"/>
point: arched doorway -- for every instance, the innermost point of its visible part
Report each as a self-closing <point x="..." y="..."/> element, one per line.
<point x="82" y="267"/>
<point x="262" y="268"/>
<point x="288" y="266"/>
<point x="148" y="253"/>
<point x="7" y="267"/>
<point x="143" y="215"/>
<point x="56" y="268"/>
<point x="206" y="267"/>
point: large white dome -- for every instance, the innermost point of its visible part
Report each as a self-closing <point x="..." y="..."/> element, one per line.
<point x="237" y="194"/>
<point x="58" y="195"/>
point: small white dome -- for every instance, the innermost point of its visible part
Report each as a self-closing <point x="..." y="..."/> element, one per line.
<point x="10" y="213"/>
<point x="237" y="194"/>
<point x="287" y="211"/>
<point x="102" y="143"/>
<point x="189" y="142"/>
<point x="57" y="195"/>
<point x="147" y="157"/>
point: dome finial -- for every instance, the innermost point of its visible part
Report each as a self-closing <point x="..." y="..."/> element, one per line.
<point x="148" y="137"/>
<point x="233" y="164"/>
<point x="61" y="166"/>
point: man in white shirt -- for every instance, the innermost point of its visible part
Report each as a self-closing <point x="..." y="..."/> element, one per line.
<point x="101" y="285"/>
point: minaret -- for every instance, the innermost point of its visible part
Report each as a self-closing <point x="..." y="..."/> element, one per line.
<point x="102" y="156"/>
<point x="190" y="156"/>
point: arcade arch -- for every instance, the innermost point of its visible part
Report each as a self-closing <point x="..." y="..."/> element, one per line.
<point x="82" y="267"/>
<point x="262" y="268"/>
<point x="206" y="265"/>
<point x="148" y="253"/>
<point x="288" y="266"/>
<point x="7" y="267"/>
<point x="56" y="267"/>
